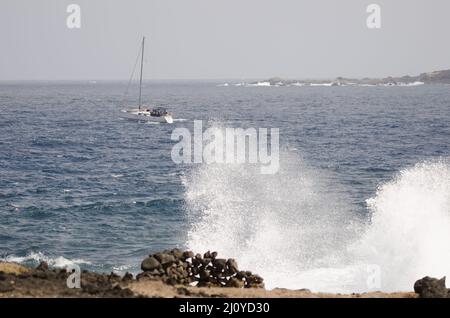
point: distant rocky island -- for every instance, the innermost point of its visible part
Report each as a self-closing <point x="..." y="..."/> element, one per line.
<point x="436" y="77"/>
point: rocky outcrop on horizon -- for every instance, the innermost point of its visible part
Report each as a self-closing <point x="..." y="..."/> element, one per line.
<point x="436" y="77"/>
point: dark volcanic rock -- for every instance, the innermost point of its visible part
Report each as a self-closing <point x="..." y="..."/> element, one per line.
<point x="43" y="266"/>
<point x="127" y="277"/>
<point x="176" y="267"/>
<point x="113" y="277"/>
<point x="205" y="275"/>
<point x="241" y="275"/>
<point x="177" y="253"/>
<point x="235" y="282"/>
<point x="150" y="263"/>
<point x="188" y="254"/>
<point x="206" y="261"/>
<point x="232" y="266"/>
<point x="165" y="258"/>
<point x="220" y="263"/>
<point x="254" y="281"/>
<point x="429" y="287"/>
<point x="144" y="275"/>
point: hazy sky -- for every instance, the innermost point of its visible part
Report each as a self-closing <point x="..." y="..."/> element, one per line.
<point x="207" y="39"/>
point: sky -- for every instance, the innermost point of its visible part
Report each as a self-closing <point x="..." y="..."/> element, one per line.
<point x="222" y="39"/>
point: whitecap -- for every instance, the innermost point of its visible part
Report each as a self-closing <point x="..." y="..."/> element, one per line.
<point x="37" y="257"/>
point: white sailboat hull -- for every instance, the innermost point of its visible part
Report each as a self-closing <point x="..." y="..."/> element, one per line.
<point x="136" y="114"/>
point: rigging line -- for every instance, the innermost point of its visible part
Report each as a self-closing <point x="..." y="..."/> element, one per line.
<point x="142" y="67"/>
<point x="131" y="77"/>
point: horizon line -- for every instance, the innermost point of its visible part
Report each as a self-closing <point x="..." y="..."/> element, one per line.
<point x="210" y="79"/>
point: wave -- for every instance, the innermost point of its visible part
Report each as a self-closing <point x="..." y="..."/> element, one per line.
<point x="295" y="230"/>
<point x="257" y="84"/>
<point x="276" y="225"/>
<point x="34" y="258"/>
<point x="322" y="84"/>
<point x="404" y="84"/>
<point x="409" y="235"/>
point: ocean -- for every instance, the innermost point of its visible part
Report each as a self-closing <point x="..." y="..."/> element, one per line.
<point x="361" y="200"/>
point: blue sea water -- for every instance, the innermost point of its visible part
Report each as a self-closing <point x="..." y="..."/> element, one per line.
<point x="80" y="183"/>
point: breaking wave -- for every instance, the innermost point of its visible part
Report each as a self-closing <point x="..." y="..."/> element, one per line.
<point x="295" y="229"/>
<point x="34" y="258"/>
<point x="409" y="236"/>
<point x="276" y="225"/>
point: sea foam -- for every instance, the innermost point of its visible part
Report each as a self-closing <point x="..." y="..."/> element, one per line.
<point x="296" y="230"/>
<point x="276" y="225"/>
<point x="34" y="258"/>
<point x="409" y="235"/>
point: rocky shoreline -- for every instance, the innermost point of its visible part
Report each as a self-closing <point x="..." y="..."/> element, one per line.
<point x="174" y="273"/>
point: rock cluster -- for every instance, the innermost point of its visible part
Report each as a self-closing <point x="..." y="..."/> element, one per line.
<point x="186" y="268"/>
<point x="429" y="287"/>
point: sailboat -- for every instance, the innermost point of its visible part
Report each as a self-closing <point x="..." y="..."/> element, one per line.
<point x="158" y="114"/>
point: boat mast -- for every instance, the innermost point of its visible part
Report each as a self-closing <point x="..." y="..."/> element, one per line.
<point x="140" y="80"/>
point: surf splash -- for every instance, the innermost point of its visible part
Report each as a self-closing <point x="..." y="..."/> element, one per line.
<point x="296" y="230"/>
<point x="34" y="258"/>
<point x="277" y="225"/>
<point x="409" y="236"/>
